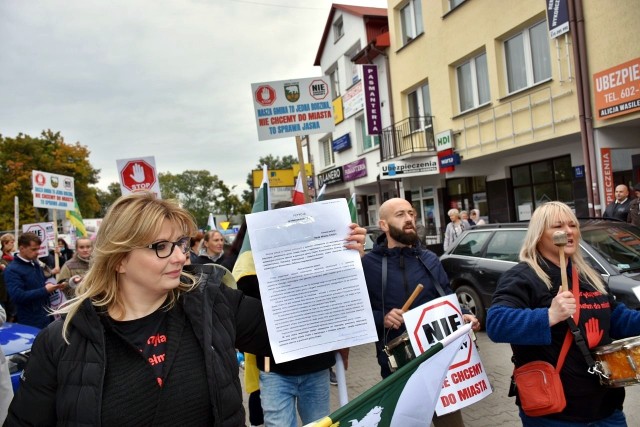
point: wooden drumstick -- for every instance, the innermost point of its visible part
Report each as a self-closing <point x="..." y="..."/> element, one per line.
<point x="560" y="240"/>
<point x="412" y="297"/>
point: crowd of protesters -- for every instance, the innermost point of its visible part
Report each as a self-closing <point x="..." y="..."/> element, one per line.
<point x="132" y="292"/>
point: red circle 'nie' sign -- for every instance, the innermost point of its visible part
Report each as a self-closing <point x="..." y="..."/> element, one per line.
<point x="138" y="175"/>
<point x="437" y="329"/>
<point x="38" y="231"/>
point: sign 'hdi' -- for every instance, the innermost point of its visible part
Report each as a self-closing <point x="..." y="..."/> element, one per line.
<point x="466" y="381"/>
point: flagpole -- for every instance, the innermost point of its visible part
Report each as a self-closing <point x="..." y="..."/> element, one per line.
<point x="16" y="217"/>
<point x="56" y="256"/>
<point x="303" y="172"/>
<point x="343" y="395"/>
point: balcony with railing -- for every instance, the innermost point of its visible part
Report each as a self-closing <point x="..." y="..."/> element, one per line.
<point x="413" y="135"/>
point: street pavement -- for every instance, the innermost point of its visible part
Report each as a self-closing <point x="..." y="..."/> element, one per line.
<point x="494" y="411"/>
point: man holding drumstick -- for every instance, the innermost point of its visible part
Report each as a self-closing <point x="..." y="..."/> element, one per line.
<point x="393" y="269"/>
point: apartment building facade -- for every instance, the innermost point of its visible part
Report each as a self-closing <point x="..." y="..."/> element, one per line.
<point x="511" y="116"/>
<point x="347" y="159"/>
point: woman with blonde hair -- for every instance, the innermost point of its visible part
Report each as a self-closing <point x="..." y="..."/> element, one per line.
<point x="7" y="243"/>
<point x="454" y="228"/>
<point x="143" y="342"/>
<point x="530" y="310"/>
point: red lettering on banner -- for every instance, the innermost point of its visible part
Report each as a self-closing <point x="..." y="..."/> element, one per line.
<point x="472" y="390"/>
<point x="467" y="373"/>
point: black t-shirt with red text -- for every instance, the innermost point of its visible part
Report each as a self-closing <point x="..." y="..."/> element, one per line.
<point x="149" y="335"/>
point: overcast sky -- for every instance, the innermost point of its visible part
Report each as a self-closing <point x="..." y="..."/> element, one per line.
<point x="170" y="79"/>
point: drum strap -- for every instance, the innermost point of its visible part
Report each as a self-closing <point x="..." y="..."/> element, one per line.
<point x="384" y="289"/>
<point x="433" y="279"/>
<point x="577" y="335"/>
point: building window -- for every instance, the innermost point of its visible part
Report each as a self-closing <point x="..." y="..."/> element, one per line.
<point x="527" y="57"/>
<point x="327" y="151"/>
<point x="335" y="82"/>
<point x="368" y="141"/>
<point x="540" y="182"/>
<point x="338" y="29"/>
<point x="473" y="83"/>
<point x="411" y="21"/>
<point x="419" y="107"/>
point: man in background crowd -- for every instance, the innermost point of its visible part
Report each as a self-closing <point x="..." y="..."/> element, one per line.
<point x="619" y="209"/>
<point x="74" y="269"/>
<point x="25" y="280"/>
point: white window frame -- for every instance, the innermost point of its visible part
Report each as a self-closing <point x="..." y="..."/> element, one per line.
<point x="528" y="59"/>
<point x="334" y="79"/>
<point x="476" y="101"/>
<point x="411" y="21"/>
<point x="338" y="29"/>
<point x="361" y="132"/>
<point x="326" y="152"/>
<point x="422" y="109"/>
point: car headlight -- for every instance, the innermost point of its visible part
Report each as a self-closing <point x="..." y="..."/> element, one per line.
<point x="17" y="361"/>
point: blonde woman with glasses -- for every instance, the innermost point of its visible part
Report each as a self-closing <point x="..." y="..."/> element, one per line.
<point x="143" y="343"/>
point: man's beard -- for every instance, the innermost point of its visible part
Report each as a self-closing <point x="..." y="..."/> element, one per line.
<point x="403" y="236"/>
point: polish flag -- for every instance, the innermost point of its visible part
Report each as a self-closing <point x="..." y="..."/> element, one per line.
<point x="298" y="192"/>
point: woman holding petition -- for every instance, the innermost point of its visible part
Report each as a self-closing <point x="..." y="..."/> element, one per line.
<point x="530" y="311"/>
<point x="144" y="343"/>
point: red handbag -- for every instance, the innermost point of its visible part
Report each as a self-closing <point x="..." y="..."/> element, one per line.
<point x="538" y="383"/>
<point x="539" y="386"/>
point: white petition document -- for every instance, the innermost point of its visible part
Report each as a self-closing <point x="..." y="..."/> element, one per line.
<point x="313" y="290"/>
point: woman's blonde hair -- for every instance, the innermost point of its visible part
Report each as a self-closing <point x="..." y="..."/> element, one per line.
<point x="453" y="211"/>
<point x="542" y="219"/>
<point x="132" y="222"/>
<point x="6" y="238"/>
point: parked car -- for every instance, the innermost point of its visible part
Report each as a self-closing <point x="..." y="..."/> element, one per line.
<point x="481" y="254"/>
<point x="16" y="341"/>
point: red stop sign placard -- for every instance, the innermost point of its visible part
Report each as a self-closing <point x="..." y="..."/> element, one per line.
<point x="138" y="175"/>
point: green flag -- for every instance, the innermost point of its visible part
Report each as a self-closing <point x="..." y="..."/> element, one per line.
<point x="408" y="397"/>
<point x="244" y="265"/>
<point x="211" y="222"/>
<point x="353" y="208"/>
<point x="320" y="195"/>
<point x="75" y="218"/>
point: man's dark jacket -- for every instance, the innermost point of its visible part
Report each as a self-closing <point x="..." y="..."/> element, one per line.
<point x="25" y="283"/>
<point x="405" y="271"/>
<point x="63" y="383"/>
<point x="618" y="211"/>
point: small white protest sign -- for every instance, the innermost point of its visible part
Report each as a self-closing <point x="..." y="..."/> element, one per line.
<point x="44" y="230"/>
<point x="53" y="191"/>
<point x="466" y="382"/>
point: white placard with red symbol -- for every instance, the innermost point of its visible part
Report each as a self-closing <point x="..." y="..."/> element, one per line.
<point x="466" y="382"/>
<point x="138" y="174"/>
<point x="52" y="191"/>
<point x="44" y="230"/>
<point x="293" y="107"/>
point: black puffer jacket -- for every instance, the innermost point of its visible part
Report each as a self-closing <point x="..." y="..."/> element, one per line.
<point x="69" y="379"/>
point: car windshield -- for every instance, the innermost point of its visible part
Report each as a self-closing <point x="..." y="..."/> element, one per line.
<point x="618" y="244"/>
